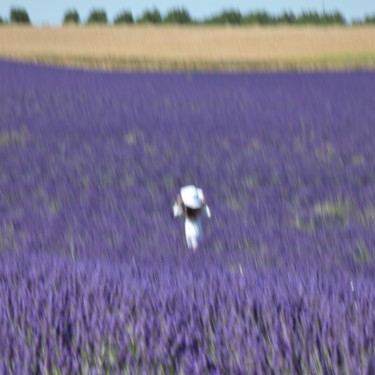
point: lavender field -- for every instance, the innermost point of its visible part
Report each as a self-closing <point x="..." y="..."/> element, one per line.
<point x="95" y="275"/>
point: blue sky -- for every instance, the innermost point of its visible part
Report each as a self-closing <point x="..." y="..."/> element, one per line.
<point x="44" y="12"/>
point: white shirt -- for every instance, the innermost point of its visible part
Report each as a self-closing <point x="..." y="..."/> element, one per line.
<point x="193" y="228"/>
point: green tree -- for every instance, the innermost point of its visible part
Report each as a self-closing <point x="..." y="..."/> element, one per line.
<point x="180" y="16"/>
<point x="314" y="18"/>
<point x="309" y="18"/>
<point x="1" y="20"/>
<point x="124" y="17"/>
<point x="258" y="18"/>
<point x="232" y="17"/>
<point x="19" y="15"/>
<point x="71" y="17"/>
<point x="333" y="18"/>
<point x="151" y="16"/>
<point x="287" y="17"/>
<point x="369" y="20"/>
<point x="97" y="16"/>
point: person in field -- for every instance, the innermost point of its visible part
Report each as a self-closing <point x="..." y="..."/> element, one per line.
<point x="191" y="204"/>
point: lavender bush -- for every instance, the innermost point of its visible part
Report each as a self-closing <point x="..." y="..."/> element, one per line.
<point x="95" y="276"/>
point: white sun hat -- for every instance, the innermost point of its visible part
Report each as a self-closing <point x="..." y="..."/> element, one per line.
<point x="192" y="196"/>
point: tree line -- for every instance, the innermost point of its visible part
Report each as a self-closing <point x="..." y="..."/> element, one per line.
<point x="182" y="16"/>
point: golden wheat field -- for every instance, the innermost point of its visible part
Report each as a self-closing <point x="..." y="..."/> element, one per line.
<point x="194" y="47"/>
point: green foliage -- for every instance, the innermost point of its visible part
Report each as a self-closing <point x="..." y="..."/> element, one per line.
<point x="231" y="17"/>
<point x="369" y="19"/>
<point x="334" y="18"/>
<point x="179" y="16"/>
<point x="19" y="15"/>
<point x="182" y="16"/>
<point x="263" y="18"/>
<point x="260" y="18"/>
<point x="71" y="17"/>
<point x="321" y="19"/>
<point x="97" y="16"/>
<point x="287" y="18"/>
<point x="151" y="16"/>
<point x="124" y="17"/>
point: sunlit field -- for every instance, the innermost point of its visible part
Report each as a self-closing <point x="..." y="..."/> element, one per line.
<point x="95" y="275"/>
<point x="193" y="48"/>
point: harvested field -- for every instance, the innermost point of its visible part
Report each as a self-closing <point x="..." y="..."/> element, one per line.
<point x="193" y="48"/>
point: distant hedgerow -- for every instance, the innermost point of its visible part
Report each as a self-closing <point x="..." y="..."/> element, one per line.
<point x="182" y="16"/>
<point x="321" y="19"/>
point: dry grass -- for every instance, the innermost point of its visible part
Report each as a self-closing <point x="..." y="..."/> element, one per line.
<point x="198" y="47"/>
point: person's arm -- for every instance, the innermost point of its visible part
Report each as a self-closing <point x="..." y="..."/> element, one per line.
<point x="205" y="206"/>
<point x="207" y="210"/>
<point x="177" y="207"/>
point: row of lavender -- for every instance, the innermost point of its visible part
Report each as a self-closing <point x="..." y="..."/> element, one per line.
<point x="60" y="316"/>
<point x="89" y="166"/>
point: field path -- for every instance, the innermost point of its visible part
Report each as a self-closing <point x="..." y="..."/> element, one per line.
<point x="196" y="48"/>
